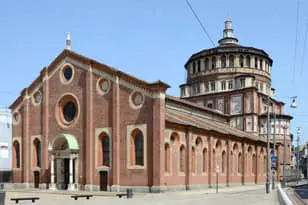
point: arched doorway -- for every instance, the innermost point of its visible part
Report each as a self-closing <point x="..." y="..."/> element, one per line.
<point x="64" y="150"/>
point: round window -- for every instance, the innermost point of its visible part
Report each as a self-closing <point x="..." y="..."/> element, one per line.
<point x="138" y="99"/>
<point x="103" y="86"/>
<point x="37" y="97"/>
<point x="68" y="73"/>
<point x="16" y="117"/>
<point x="69" y="111"/>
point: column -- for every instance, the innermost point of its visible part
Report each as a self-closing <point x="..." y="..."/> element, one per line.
<point x="76" y="172"/>
<point x="52" y="172"/>
<point x="71" y="184"/>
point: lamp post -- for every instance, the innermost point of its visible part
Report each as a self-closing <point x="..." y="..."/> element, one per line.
<point x="297" y="163"/>
<point x="274" y="141"/>
<point x="284" y="156"/>
<point x="267" y="148"/>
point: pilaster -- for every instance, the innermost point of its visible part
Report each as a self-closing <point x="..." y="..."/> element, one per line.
<point x="25" y="138"/>
<point x="228" y="161"/>
<point x="210" y="161"/>
<point x="89" y="162"/>
<point x="45" y="119"/>
<point x="188" y="173"/>
<point x="116" y="135"/>
<point x="158" y="141"/>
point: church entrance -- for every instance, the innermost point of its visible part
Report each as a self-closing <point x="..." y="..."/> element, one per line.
<point x="64" y="163"/>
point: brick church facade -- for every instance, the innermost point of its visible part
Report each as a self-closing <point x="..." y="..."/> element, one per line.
<point x="84" y="125"/>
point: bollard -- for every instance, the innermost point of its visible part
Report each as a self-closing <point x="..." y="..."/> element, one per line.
<point x="2" y="197"/>
<point x="129" y="193"/>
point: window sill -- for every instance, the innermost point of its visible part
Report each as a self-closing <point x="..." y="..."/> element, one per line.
<point x="36" y="169"/>
<point x="102" y="168"/>
<point x="136" y="167"/>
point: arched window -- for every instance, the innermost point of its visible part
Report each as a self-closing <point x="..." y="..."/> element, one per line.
<point x="231" y="163"/>
<point x="37" y="153"/>
<point x="248" y="61"/>
<point x="224" y="162"/>
<point x="213" y="62"/>
<point x="223" y="61"/>
<point x="182" y="158"/>
<point x="137" y="148"/>
<point x="241" y="61"/>
<point x="231" y="61"/>
<point x="214" y="161"/>
<point x="167" y="157"/>
<point x="206" y="64"/>
<point x="193" y="160"/>
<point x="239" y="166"/>
<point x="204" y="160"/>
<point x="16" y="155"/>
<point x="104" y="150"/>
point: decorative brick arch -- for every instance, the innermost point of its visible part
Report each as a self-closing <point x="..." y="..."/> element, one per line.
<point x="182" y="159"/>
<point x="167" y="158"/>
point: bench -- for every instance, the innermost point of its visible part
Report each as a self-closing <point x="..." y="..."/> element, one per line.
<point x="25" y="198"/>
<point x="121" y="194"/>
<point x="81" y="196"/>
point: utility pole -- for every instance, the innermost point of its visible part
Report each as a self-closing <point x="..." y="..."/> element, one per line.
<point x="267" y="148"/>
<point x="274" y="139"/>
<point x="297" y="164"/>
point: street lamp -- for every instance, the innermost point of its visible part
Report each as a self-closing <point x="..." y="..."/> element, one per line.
<point x="285" y="127"/>
<point x="267" y="185"/>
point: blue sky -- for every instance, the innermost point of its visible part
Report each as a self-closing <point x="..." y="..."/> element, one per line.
<point x="151" y="39"/>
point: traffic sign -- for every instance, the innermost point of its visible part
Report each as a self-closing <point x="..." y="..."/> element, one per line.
<point x="274" y="159"/>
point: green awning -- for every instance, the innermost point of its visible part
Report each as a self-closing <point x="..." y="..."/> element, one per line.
<point x="71" y="141"/>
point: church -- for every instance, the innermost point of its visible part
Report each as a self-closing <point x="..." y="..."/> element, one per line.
<point x="83" y="125"/>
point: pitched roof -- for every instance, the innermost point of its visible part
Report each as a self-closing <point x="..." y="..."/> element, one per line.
<point x="187" y="119"/>
<point x="154" y="86"/>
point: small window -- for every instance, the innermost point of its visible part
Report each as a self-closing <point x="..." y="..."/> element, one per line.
<point x="256" y="62"/>
<point x="69" y="111"/>
<point x="223" y="61"/>
<point x="199" y="66"/>
<point x="231" y="61"/>
<point x="230" y="84"/>
<point x="206" y="64"/>
<point x="139" y="150"/>
<point x="213" y="62"/>
<point x="242" y="83"/>
<point x="241" y="61"/>
<point x="210" y="105"/>
<point x="67" y="73"/>
<point x="182" y="158"/>
<point x="106" y="152"/>
<point x="212" y="83"/>
<point x="223" y="85"/>
<point x="248" y="61"/>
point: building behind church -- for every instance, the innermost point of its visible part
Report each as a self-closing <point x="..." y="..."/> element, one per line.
<point x="84" y="125"/>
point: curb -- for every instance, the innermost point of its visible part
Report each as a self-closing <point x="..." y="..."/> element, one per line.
<point x="282" y="197"/>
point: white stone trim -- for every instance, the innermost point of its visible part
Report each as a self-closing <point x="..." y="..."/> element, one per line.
<point x="98" y="131"/>
<point x="32" y="138"/>
<point x="129" y="130"/>
<point x="18" y="139"/>
<point x="13" y="118"/>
